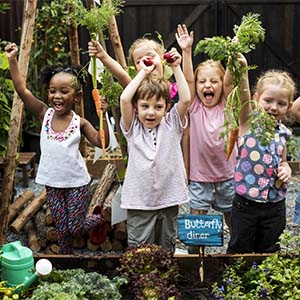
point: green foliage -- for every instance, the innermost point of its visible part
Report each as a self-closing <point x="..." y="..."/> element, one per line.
<point x="96" y="19"/>
<point x="4" y="7"/>
<point x="7" y="293"/>
<point x="151" y="272"/>
<point x="110" y="89"/>
<point x="76" y="284"/>
<point x="277" y="277"/>
<point x="262" y="125"/>
<point x="6" y="97"/>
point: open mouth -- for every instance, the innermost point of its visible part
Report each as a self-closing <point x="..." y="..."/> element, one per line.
<point x="58" y="105"/>
<point x="208" y="96"/>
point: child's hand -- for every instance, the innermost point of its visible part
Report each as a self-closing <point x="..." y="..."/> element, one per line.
<point x="104" y="105"/>
<point x="147" y="63"/>
<point x="11" y="50"/>
<point x="184" y="39"/>
<point x="172" y="57"/>
<point x="95" y="49"/>
<point x="242" y="60"/>
<point x="284" y="173"/>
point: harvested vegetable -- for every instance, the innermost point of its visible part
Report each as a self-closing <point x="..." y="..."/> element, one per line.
<point x="247" y="35"/>
<point x="168" y="57"/>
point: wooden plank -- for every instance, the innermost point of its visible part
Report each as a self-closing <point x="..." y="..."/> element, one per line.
<point x="16" y="119"/>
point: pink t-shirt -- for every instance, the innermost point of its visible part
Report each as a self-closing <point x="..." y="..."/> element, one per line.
<point x="207" y="155"/>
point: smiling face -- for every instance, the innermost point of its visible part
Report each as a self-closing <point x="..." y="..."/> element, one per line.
<point x="151" y="111"/>
<point x="275" y="100"/>
<point x="61" y="92"/>
<point x="209" y="84"/>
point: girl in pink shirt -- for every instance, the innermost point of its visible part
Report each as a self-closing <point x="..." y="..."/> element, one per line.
<point x="211" y="176"/>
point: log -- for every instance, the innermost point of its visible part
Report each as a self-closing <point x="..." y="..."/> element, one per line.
<point x="51" y="234"/>
<point x="33" y="243"/>
<point x="30" y="210"/>
<point x="106" y="245"/>
<point x="16" y="119"/>
<point x="18" y="204"/>
<point x="120" y="231"/>
<point x="78" y="242"/>
<point x="92" y="247"/>
<point x="108" y="201"/>
<point x="52" y="249"/>
<point x="117" y="245"/>
<point x="106" y="180"/>
<point x="48" y="217"/>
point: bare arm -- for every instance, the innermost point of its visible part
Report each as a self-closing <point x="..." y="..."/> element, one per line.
<point x="37" y="107"/>
<point x="95" y="49"/>
<point x="245" y="98"/>
<point x="183" y="89"/>
<point x="295" y="110"/>
<point x="185" y="42"/>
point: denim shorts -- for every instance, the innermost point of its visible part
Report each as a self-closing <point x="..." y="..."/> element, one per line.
<point x="216" y="195"/>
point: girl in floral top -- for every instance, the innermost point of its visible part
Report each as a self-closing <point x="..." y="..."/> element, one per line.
<point x="262" y="172"/>
<point x="61" y="168"/>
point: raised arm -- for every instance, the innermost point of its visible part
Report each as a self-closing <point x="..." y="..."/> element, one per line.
<point x="185" y="42"/>
<point x="127" y="109"/>
<point x="37" y="107"/>
<point x="245" y="97"/>
<point x="183" y="89"/>
<point x="95" y="49"/>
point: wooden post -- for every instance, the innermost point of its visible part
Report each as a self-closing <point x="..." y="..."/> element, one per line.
<point x="16" y="119"/>
<point x="75" y="61"/>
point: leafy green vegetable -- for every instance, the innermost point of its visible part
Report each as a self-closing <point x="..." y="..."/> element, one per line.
<point x="151" y="271"/>
<point x="76" y="284"/>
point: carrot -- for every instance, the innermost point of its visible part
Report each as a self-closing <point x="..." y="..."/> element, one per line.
<point x="233" y="135"/>
<point x="97" y="100"/>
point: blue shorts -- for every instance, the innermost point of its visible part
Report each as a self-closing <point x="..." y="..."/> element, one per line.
<point x="216" y="195"/>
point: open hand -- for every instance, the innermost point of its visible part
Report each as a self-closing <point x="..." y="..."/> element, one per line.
<point x="184" y="39"/>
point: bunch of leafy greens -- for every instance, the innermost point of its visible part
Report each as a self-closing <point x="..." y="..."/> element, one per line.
<point x="151" y="271"/>
<point x="246" y="36"/>
<point x="277" y="277"/>
<point x="76" y="284"/>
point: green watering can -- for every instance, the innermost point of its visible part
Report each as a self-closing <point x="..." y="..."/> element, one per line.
<point x="18" y="266"/>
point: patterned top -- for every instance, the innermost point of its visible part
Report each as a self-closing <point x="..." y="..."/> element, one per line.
<point x="155" y="175"/>
<point x="207" y="148"/>
<point x="61" y="164"/>
<point x="255" y="174"/>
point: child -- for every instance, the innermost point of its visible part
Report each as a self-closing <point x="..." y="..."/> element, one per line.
<point x="262" y="172"/>
<point x="61" y="168"/>
<point x="211" y="176"/>
<point x="140" y="48"/>
<point x="155" y="182"/>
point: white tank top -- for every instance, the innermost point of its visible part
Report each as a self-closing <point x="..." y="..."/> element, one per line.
<point x="61" y="164"/>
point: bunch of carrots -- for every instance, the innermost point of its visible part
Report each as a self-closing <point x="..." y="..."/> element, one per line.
<point x="247" y="35"/>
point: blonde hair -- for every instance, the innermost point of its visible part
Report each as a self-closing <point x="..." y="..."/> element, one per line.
<point x="152" y="86"/>
<point x="279" y="78"/>
<point x="157" y="47"/>
<point x="213" y="64"/>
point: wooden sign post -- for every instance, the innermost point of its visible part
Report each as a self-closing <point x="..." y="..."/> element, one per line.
<point x="201" y="230"/>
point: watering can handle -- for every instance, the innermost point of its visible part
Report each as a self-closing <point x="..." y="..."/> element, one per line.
<point x="20" y="250"/>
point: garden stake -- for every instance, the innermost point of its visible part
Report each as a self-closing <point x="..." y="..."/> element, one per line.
<point x="201" y="268"/>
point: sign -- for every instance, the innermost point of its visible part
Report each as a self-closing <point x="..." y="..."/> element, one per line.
<point x="201" y="230"/>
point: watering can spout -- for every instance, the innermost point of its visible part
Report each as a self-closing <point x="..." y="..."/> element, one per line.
<point x="43" y="267"/>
